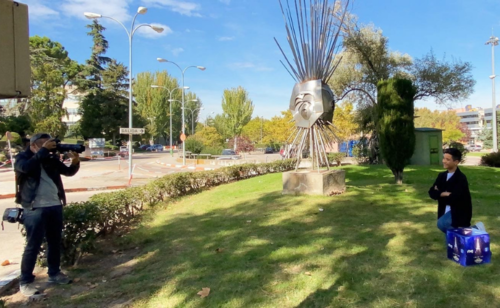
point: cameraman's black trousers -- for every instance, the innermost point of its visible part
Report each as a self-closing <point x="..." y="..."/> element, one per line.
<point x="39" y="223"/>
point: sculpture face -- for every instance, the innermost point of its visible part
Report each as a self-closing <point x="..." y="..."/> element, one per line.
<point x="310" y="101"/>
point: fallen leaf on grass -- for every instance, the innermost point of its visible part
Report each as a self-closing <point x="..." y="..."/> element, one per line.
<point x="5" y="263"/>
<point x="308" y="273"/>
<point x="114" y="251"/>
<point x="249" y="221"/>
<point x="321" y="209"/>
<point x="92" y="286"/>
<point x="406" y="190"/>
<point x="219" y="250"/>
<point x="76" y="280"/>
<point x="204" y="292"/>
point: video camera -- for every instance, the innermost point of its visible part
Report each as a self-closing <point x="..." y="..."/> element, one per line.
<point x="78" y="148"/>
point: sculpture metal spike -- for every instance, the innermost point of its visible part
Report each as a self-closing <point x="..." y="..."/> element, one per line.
<point x="312" y="33"/>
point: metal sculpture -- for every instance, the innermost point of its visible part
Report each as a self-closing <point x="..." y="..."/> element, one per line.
<point x="312" y="33"/>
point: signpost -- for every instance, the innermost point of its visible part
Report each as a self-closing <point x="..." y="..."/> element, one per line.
<point x="8" y="135"/>
<point x="132" y="131"/>
<point x="96" y="146"/>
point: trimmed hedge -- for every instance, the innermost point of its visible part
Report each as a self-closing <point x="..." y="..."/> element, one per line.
<point x="492" y="160"/>
<point x="336" y="158"/>
<point x="112" y="212"/>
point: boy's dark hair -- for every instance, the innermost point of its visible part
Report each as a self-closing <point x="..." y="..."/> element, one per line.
<point x="455" y="153"/>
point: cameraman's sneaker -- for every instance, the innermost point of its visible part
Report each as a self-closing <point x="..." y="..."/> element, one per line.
<point x="479" y="226"/>
<point x="29" y="289"/>
<point x="60" y="278"/>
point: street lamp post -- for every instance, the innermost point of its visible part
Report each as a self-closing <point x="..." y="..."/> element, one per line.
<point x="192" y="116"/>
<point x="202" y="68"/>
<point x="493" y="41"/>
<point x="140" y="10"/>
<point x="170" y="102"/>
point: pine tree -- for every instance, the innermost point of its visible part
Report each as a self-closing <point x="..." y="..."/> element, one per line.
<point x="395" y="124"/>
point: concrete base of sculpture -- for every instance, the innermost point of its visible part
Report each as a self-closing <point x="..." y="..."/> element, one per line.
<point x="308" y="182"/>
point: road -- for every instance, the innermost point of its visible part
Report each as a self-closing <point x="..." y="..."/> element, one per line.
<point x="11" y="241"/>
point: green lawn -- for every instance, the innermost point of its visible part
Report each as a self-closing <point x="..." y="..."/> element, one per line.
<point x="477" y="154"/>
<point x="374" y="246"/>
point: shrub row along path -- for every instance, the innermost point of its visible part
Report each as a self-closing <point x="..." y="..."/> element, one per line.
<point x="96" y="174"/>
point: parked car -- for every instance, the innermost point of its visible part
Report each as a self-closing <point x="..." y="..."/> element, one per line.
<point x="268" y="150"/>
<point x="144" y="147"/>
<point x="229" y="154"/>
<point x="155" y="147"/>
<point x="474" y="147"/>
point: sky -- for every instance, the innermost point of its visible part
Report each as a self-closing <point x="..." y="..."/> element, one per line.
<point x="234" y="40"/>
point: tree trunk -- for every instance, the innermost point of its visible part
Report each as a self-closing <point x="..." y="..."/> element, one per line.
<point x="114" y="138"/>
<point x="235" y="143"/>
<point x="398" y="176"/>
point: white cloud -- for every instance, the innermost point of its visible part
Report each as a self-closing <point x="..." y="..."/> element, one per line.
<point x="250" y="65"/>
<point x="117" y="9"/>
<point x="179" y="6"/>
<point x="225" y="1"/>
<point x="38" y="10"/>
<point x="177" y="51"/>
<point x="226" y="38"/>
<point x="241" y="65"/>
<point x="150" y="33"/>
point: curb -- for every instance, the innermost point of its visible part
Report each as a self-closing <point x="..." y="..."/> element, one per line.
<point x="70" y="190"/>
<point x="7" y="281"/>
<point x="184" y="167"/>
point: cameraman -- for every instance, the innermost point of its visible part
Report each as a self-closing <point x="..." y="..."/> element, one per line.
<point x="40" y="191"/>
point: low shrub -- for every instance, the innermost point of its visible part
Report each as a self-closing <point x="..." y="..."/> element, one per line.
<point x="492" y="160"/>
<point x="194" y="145"/>
<point x="115" y="212"/>
<point x="336" y="158"/>
<point x="212" y="150"/>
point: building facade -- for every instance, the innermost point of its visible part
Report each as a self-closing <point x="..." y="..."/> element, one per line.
<point x="72" y="105"/>
<point x="476" y="119"/>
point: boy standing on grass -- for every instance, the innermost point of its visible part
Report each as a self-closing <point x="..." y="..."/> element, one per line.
<point x="451" y="190"/>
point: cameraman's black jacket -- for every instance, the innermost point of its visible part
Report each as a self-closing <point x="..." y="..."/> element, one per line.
<point x="28" y="172"/>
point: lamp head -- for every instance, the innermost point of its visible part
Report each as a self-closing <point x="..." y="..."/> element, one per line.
<point x="92" y="15"/>
<point x="156" y="28"/>
<point x="154" y="86"/>
<point x="201" y="68"/>
<point x="161" y="60"/>
<point x="193" y="100"/>
<point x="142" y="10"/>
<point x="186" y="88"/>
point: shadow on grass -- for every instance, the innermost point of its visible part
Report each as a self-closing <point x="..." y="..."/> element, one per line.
<point x="374" y="246"/>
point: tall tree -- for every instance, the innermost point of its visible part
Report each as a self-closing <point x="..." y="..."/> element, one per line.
<point x="395" y="124"/>
<point x="343" y="120"/>
<point x="447" y="120"/>
<point x="367" y="59"/>
<point x="279" y="128"/>
<point x="237" y="110"/>
<point x="254" y="130"/>
<point x="51" y="71"/>
<point x="153" y="104"/>
<point x="104" y="109"/>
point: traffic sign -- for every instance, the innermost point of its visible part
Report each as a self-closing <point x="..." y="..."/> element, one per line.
<point x="183" y="137"/>
<point x="132" y="131"/>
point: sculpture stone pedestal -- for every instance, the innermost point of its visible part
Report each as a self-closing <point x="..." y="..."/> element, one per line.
<point x="309" y="182"/>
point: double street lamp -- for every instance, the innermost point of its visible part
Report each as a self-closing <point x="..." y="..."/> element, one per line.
<point x="183" y="71"/>
<point x="170" y="101"/>
<point x="141" y="10"/>
<point x="192" y="117"/>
